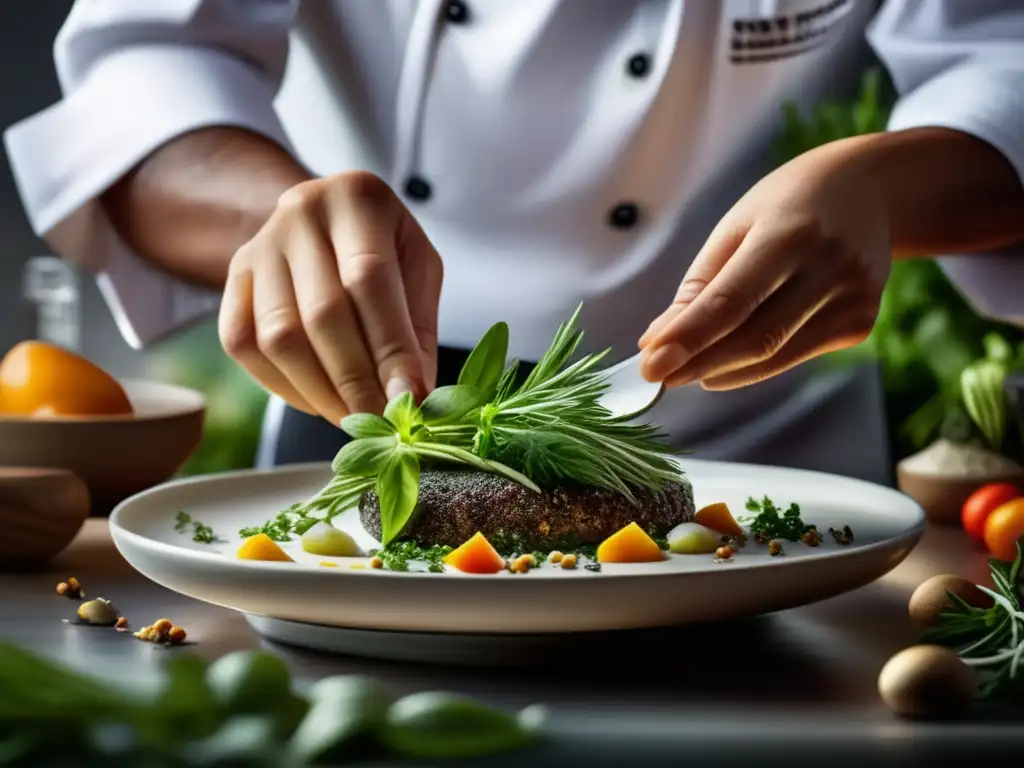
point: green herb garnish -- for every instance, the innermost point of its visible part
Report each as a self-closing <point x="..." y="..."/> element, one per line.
<point x="772" y="523"/>
<point x="989" y="639"/>
<point x="397" y="555"/>
<point x="239" y="710"/>
<point x="201" y="532"/>
<point x="547" y="430"/>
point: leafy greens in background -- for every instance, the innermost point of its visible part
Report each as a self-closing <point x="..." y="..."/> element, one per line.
<point x="926" y="334"/>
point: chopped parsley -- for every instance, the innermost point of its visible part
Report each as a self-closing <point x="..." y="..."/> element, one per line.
<point x="770" y="522"/>
<point x="201" y="532"/>
<point x="397" y="555"/>
<point x="281" y="527"/>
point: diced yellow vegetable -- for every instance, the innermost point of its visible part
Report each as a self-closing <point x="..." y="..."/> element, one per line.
<point x="717" y="517"/>
<point x="629" y="545"/>
<point x="262" y="547"/>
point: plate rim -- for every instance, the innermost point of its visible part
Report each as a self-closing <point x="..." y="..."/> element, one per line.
<point x="910" y="535"/>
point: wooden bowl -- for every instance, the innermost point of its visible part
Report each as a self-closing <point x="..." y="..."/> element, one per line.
<point x="115" y="456"/>
<point x="941" y="497"/>
<point x="41" y="511"/>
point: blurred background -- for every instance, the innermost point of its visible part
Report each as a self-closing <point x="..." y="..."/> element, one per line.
<point x="924" y="337"/>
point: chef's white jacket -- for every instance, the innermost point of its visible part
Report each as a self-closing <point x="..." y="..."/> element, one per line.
<point x="555" y="151"/>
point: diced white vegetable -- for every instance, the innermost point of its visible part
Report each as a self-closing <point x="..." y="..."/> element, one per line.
<point x="326" y="540"/>
<point x="693" y="539"/>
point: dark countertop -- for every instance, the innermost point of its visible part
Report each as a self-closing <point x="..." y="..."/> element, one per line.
<point x="790" y="687"/>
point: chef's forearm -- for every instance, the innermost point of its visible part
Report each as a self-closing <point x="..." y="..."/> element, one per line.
<point x="945" y="191"/>
<point x="190" y="205"/>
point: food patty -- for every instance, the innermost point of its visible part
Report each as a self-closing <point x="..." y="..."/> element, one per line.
<point x="455" y="504"/>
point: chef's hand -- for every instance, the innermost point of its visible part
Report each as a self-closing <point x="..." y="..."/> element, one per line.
<point x="794" y="270"/>
<point x="333" y="304"/>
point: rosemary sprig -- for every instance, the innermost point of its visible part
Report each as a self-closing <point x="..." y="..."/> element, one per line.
<point x="989" y="639"/>
<point x="550" y="429"/>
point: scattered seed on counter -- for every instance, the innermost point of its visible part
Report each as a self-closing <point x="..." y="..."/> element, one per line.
<point x="376" y="562"/>
<point x="775" y="548"/>
<point x="121" y="625"/>
<point x="162" y="631"/>
<point x="555" y="557"/>
<point x="176" y="636"/>
<point x="568" y="561"/>
<point x="71" y="589"/>
<point x="98" y="612"/>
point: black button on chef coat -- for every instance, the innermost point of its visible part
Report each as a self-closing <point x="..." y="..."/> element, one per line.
<point x="456" y="11"/>
<point x="639" y="65"/>
<point x="417" y="188"/>
<point x="624" y="216"/>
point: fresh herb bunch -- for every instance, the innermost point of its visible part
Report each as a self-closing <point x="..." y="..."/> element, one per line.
<point x="239" y="710"/>
<point x="989" y="639"/>
<point x="982" y="387"/>
<point x="551" y="428"/>
<point x="770" y="522"/>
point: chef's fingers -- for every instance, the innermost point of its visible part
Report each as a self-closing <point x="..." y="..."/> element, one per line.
<point x="364" y="223"/>
<point x="767" y="329"/>
<point x="720" y="245"/>
<point x="724" y="301"/>
<point x="330" y="320"/>
<point x="236" y="327"/>
<point x="838" y="326"/>
<point x="422" y="274"/>
<point x="281" y="337"/>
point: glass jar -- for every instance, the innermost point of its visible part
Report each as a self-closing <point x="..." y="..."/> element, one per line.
<point x="50" y="287"/>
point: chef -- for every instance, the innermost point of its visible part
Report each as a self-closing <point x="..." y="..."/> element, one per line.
<point x="360" y="188"/>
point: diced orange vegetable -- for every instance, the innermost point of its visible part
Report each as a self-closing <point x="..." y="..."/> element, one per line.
<point x="476" y="556"/>
<point x="262" y="547"/>
<point x="717" y="517"/>
<point x="629" y="545"/>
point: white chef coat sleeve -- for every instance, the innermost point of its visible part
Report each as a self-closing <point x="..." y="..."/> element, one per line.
<point x="959" y="64"/>
<point x="135" y="75"/>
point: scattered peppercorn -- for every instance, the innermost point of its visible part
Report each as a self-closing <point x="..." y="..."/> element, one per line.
<point x="556" y="557"/>
<point x="812" y="538"/>
<point x="594" y="567"/>
<point x="775" y="548"/>
<point x="845" y="536"/>
<point x="568" y="561"/>
<point x="176" y="636"/>
<point x="724" y="553"/>
<point x="761" y="537"/>
<point x="376" y="562"/>
<point x="71" y="589"/>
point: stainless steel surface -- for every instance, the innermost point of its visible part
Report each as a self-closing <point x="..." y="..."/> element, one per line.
<point x="802" y="679"/>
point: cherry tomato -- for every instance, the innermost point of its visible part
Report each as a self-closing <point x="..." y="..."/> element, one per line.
<point x="1002" y="529"/>
<point x="979" y="506"/>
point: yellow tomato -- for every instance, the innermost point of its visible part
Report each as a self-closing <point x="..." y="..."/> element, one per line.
<point x="1002" y="529"/>
<point x="40" y="379"/>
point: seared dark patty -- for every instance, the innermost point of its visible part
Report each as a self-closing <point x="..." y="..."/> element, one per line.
<point x="455" y="504"/>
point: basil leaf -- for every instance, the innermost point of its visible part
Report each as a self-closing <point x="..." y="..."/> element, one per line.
<point x="367" y="425"/>
<point x="447" y="725"/>
<point x="398" y="490"/>
<point x="346" y="712"/>
<point x="486" y="363"/>
<point x="365" y="457"/>
<point x="403" y="413"/>
<point x="448" y="404"/>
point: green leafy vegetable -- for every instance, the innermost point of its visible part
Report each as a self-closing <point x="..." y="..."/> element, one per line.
<point x="989" y="639"/>
<point x="549" y="429"/>
<point x="240" y="710"/>
<point x="397" y="555"/>
<point x="770" y="522"/>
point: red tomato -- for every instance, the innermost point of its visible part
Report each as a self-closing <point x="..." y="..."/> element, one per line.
<point x="1002" y="529"/>
<point x="979" y="506"/>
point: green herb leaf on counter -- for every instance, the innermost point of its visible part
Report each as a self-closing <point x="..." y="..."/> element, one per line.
<point x="239" y="710"/>
<point x="989" y="639"/>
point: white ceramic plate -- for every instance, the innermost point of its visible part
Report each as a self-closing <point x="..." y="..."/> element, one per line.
<point x="682" y="589"/>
